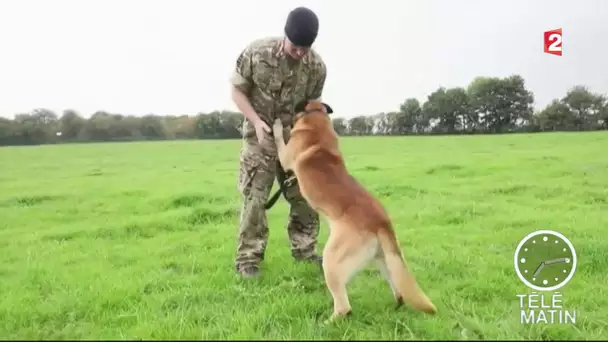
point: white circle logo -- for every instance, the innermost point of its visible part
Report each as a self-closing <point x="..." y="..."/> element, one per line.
<point x="545" y="260"/>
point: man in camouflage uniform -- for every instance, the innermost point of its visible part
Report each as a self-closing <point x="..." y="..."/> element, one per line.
<point x="272" y="75"/>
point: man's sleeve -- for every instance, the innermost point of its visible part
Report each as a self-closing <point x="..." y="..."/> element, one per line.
<point x="242" y="75"/>
<point x="318" y="89"/>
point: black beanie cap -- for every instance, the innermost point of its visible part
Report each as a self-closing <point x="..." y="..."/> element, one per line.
<point x="302" y="27"/>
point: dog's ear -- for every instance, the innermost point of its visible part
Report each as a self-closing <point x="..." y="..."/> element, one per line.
<point x="301" y="106"/>
<point x="328" y="109"/>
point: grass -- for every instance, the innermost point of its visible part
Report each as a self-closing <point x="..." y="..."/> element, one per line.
<point x="136" y="240"/>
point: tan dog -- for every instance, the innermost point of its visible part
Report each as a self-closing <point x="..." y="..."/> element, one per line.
<point x="360" y="229"/>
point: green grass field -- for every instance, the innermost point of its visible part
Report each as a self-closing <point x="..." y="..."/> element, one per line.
<point x="136" y="240"/>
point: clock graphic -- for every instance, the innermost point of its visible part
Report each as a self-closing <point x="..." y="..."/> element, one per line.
<point x="545" y="260"/>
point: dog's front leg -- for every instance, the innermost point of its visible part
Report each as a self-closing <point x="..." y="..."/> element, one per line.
<point x="282" y="148"/>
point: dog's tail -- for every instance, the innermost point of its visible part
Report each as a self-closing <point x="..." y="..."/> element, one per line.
<point x="401" y="278"/>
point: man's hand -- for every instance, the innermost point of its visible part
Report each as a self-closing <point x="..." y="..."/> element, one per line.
<point x="261" y="128"/>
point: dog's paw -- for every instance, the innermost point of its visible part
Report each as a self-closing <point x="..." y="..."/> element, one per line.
<point x="328" y="321"/>
<point x="336" y="317"/>
<point x="277" y="126"/>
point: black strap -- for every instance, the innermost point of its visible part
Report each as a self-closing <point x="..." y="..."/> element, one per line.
<point x="275" y="197"/>
<point x="286" y="179"/>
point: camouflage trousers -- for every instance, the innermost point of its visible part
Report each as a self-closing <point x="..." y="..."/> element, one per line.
<point x="258" y="169"/>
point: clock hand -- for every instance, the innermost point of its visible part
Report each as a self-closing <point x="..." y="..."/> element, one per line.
<point x="539" y="268"/>
<point x="555" y="261"/>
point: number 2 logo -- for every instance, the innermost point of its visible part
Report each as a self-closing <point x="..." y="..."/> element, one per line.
<point x="552" y="42"/>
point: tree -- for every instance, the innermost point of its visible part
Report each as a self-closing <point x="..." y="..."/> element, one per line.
<point x="501" y="105"/>
<point x="410" y="118"/>
<point x="554" y="117"/>
<point x="357" y="125"/>
<point x="486" y="105"/>
<point x="587" y="109"/>
<point x="8" y="132"/>
<point x="578" y="110"/>
<point x="441" y="112"/>
<point x="70" y="125"/>
<point x="38" y="127"/>
<point x="339" y="126"/>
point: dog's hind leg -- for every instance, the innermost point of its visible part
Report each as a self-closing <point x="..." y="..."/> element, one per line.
<point x="383" y="268"/>
<point x="341" y="262"/>
<point x="400" y="277"/>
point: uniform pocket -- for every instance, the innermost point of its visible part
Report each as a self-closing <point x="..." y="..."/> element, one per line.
<point x="249" y="166"/>
<point x="257" y="172"/>
<point x="248" y="130"/>
<point x="264" y="75"/>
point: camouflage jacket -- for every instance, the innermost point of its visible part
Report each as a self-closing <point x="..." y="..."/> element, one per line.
<point x="275" y="83"/>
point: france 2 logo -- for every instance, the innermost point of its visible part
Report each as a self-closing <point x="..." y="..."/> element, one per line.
<point x="553" y="42"/>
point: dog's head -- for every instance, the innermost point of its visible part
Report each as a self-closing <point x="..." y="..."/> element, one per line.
<point x="310" y="106"/>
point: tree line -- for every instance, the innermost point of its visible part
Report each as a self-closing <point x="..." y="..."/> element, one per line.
<point x="488" y="105"/>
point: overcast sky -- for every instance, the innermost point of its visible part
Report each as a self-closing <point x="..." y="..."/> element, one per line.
<point x="175" y="56"/>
